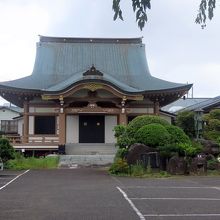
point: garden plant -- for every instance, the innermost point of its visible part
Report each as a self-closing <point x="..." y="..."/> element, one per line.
<point x="156" y="133"/>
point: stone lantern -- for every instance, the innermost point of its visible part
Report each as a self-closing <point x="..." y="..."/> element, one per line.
<point x="198" y="121"/>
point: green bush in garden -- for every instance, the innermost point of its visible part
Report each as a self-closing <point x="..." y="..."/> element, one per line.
<point x="121" y="153"/>
<point x="7" y="152"/>
<point x="215" y="114"/>
<point x="212" y="164"/>
<point x="154" y="132"/>
<point x="137" y="170"/>
<point x="212" y="125"/>
<point x="211" y="135"/>
<point x="119" y="166"/>
<point x="168" y="150"/>
<point x="189" y="150"/>
<point x="177" y="135"/>
<point x="153" y="135"/>
<point x="123" y="140"/>
<point x="128" y="135"/>
<point x="141" y="121"/>
<point x="119" y="130"/>
<point x="185" y="120"/>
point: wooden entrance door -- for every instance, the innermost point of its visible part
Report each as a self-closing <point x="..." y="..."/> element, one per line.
<point x="91" y="129"/>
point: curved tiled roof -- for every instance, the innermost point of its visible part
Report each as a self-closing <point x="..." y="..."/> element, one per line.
<point x="61" y="62"/>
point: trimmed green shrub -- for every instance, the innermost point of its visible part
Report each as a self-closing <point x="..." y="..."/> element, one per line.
<point x="153" y="135"/>
<point x="168" y="150"/>
<point x="7" y="152"/>
<point x="143" y="120"/>
<point x="177" y="135"/>
<point x="119" y="130"/>
<point x="185" y="120"/>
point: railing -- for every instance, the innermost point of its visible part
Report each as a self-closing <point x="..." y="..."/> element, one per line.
<point x="43" y="139"/>
<point x="32" y="139"/>
<point x="14" y="138"/>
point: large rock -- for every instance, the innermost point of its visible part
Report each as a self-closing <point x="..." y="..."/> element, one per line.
<point x="177" y="165"/>
<point x="136" y="153"/>
<point x="198" y="165"/>
<point x="210" y="147"/>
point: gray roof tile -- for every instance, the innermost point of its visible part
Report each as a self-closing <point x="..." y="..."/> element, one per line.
<point x="61" y="62"/>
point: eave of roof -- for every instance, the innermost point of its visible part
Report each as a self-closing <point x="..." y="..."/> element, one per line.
<point x="13" y="109"/>
<point x="168" y="113"/>
<point x="119" y="86"/>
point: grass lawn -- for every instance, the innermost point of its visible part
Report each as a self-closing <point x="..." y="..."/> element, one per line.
<point x="33" y="163"/>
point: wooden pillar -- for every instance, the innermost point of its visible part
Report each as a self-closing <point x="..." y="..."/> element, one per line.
<point x="26" y="122"/>
<point x="156" y="108"/>
<point x="123" y="119"/>
<point x="62" y="128"/>
<point x="123" y="115"/>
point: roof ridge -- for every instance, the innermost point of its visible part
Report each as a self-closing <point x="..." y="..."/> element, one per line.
<point x="51" y="39"/>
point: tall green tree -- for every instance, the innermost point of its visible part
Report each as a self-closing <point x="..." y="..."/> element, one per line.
<point x="185" y="120"/>
<point x="140" y="8"/>
<point x="212" y="125"/>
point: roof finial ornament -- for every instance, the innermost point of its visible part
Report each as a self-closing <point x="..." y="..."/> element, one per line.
<point x="92" y="72"/>
<point x="93" y="69"/>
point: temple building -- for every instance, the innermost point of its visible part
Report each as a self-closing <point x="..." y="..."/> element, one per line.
<point x="80" y="88"/>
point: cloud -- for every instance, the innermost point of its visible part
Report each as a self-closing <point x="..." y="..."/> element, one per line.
<point x="177" y="49"/>
<point x="20" y="25"/>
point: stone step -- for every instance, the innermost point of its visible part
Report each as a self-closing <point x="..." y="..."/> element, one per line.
<point x="85" y="160"/>
<point x="90" y="149"/>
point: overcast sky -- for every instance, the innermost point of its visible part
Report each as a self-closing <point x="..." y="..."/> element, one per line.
<point x="176" y="48"/>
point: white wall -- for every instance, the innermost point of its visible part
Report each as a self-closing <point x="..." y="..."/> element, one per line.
<point x="110" y="123"/>
<point x="42" y="110"/>
<point x="72" y="129"/>
<point x="6" y="114"/>
<point x="141" y="110"/>
<point x="31" y="124"/>
<point x="20" y="126"/>
<point x="166" y="117"/>
<point x="57" y="125"/>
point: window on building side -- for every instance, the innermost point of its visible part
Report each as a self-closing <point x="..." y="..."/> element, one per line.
<point x="9" y="126"/>
<point x="45" y="125"/>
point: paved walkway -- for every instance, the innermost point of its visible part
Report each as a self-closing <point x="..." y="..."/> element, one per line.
<point x="90" y="193"/>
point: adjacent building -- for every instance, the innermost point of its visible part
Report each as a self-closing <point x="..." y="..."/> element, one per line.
<point x="7" y="123"/>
